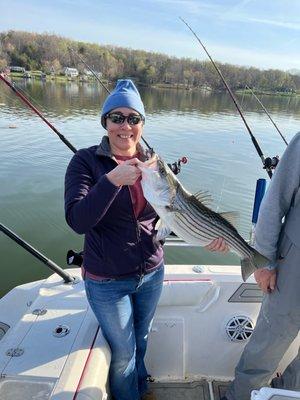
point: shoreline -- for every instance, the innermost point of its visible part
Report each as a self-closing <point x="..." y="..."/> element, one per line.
<point x="177" y="86"/>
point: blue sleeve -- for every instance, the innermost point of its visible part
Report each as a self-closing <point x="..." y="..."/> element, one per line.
<point x="86" y="202"/>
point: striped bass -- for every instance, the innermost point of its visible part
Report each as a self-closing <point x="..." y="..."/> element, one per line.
<point x="189" y="218"/>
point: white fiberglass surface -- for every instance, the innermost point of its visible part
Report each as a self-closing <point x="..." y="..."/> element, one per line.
<point x="25" y="389"/>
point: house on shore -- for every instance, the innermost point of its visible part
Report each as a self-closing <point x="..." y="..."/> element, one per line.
<point x="89" y="73"/>
<point x="14" y="68"/>
<point x="70" y="72"/>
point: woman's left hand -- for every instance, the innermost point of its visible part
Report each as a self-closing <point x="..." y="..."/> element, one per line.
<point x="219" y="244"/>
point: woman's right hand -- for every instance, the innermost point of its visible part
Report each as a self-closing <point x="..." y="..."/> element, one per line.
<point x="126" y="173"/>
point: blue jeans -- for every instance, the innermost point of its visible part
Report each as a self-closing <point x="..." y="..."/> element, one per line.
<point x="125" y="309"/>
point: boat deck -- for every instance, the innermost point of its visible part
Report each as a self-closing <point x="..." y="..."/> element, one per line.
<point x="52" y="347"/>
<point x="198" y="390"/>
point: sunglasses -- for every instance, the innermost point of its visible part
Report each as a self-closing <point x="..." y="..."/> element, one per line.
<point x="119" y="118"/>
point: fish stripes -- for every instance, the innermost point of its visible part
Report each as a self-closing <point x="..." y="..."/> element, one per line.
<point x="210" y="231"/>
<point x="194" y="219"/>
<point x="185" y="215"/>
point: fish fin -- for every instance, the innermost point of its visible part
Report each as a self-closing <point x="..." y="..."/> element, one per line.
<point x="175" y="208"/>
<point x="259" y="260"/>
<point x="247" y="268"/>
<point x="163" y="230"/>
<point x="256" y="261"/>
<point x="204" y="197"/>
<point x="231" y="217"/>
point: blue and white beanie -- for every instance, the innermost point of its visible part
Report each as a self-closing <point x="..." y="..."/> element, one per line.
<point x="125" y="94"/>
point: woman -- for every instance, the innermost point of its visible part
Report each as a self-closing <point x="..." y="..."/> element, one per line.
<point x="123" y="263"/>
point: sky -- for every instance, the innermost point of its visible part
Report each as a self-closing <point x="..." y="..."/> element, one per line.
<point x="260" y="33"/>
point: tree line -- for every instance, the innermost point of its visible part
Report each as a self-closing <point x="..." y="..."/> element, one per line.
<point x="50" y="53"/>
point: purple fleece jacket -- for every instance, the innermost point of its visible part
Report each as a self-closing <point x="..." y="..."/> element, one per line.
<point x="117" y="244"/>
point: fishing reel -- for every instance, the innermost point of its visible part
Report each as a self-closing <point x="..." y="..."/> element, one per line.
<point x="175" y="167"/>
<point x="271" y="163"/>
<point x="75" y="258"/>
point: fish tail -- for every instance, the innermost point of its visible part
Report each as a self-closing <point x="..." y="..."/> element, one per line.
<point x="250" y="264"/>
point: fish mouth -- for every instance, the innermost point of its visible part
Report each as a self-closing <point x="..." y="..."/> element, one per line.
<point x="152" y="162"/>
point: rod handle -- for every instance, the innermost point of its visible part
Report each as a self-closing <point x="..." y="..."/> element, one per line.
<point x="259" y="194"/>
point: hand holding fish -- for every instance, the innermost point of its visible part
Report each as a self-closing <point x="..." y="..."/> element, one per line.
<point x="126" y="173"/>
<point x="218" y="244"/>
<point x="151" y="163"/>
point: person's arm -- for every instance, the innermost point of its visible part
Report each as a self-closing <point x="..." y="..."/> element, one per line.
<point x="275" y="206"/>
<point x="86" y="201"/>
<point x="277" y="201"/>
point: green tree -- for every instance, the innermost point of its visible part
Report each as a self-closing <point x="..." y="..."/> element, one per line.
<point x="51" y="53"/>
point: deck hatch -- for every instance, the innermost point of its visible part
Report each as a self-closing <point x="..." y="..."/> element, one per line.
<point x="247" y="293"/>
<point x="25" y="389"/>
<point x="181" y="390"/>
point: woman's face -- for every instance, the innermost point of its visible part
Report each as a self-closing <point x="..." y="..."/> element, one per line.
<point x="124" y="137"/>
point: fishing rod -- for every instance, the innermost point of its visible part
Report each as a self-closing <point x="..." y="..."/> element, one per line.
<point x="90" y="69"/>
<point x="106" y="88"/>
<point x="50" y="264"/>
<point x="66" y="277"/>
<point x="36" y="111"/>
<point x="12" y="86"/>
<point x="265" y="162"/>
<point x="54" y="267"/>
<point x="266" y="111"/>
<point x="174" y="166"/>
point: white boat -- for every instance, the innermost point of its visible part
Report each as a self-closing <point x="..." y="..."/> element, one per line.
<point x="51" y="346"/>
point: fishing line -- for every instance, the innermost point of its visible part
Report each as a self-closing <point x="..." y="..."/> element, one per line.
<point x="242" y="102"/>
<point x="266" y="111"/>
<point x="32" y="99"/>
<point x="267" y="167"/>
<point x="25" y="94"/>
<point x="73" y="52"/>
<point x="221" y="192"/>
<point x="9" y="98"/>
<point x="288" y="104"/>
<point x="11" y="102"/>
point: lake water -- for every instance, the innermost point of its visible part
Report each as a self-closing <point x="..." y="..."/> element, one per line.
<point x="204" y="127"/>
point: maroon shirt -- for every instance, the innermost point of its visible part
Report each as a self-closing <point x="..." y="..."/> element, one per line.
<point x="136" y="192"/>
